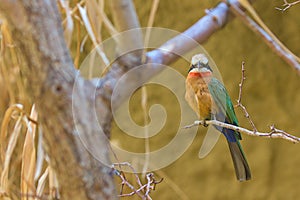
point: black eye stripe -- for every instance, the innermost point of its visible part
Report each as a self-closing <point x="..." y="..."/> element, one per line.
<point x="192" y="67"/>
<point x="206" y="66"/>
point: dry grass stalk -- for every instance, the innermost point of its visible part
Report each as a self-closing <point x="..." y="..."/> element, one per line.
<point x="41" y="183"/>
<point x="144" y="89"/>
<point x="32" y="186"/>
<point x="53" y="185"/>
<point x="69" y="26"/>
<point x="88" y="26"/>
<point x="15" y="111"/>
<point x="29" y="158"/>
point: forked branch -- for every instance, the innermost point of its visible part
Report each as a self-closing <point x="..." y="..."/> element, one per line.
<point x="286" y="5"/>
<point x="143" y="190"/>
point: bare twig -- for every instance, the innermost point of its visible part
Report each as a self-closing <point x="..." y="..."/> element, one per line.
<point x="273" y="133"/>
<point x="287" y="5"/>
<point x="241" y="83"/>
<point x="144" y="189"/>
<point x="132" y="169"/>
<point x="268" y="38"/>
<point x="239" y="101"/>
<point x="151" y="183"/>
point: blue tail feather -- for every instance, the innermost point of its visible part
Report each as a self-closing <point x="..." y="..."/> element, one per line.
<point x="228" y="133"/>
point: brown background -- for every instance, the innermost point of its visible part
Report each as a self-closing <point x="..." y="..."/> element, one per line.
<point x="271" y="94"/>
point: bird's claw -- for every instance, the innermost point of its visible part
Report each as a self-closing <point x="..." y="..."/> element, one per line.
<point x="204" y="123"/>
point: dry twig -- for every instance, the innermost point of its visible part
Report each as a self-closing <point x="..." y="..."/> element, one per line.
<point x="239" y="101"/>
<point x="144" y="189"/>
<point x="273" y="133"/>
<point x="287" y="5"/>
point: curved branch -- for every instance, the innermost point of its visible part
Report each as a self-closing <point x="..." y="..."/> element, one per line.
<point x="213" y="21"/>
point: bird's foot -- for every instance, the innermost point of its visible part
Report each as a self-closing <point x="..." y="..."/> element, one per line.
<point x="204" y="123"/>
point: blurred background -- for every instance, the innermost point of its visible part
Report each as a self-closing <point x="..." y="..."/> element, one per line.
<point x="271" y="94"/>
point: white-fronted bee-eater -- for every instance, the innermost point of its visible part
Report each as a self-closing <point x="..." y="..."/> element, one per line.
<point x="208" y="97"/>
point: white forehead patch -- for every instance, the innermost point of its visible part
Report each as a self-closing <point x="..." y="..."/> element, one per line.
<point x="196" y="69"/>
<point x="199" y="58"/>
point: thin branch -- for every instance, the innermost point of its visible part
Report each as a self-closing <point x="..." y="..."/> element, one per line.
<point x="287" y="5"/>
<point x="273" y="133"/>
<point x="144" y="189"/>
<point x="127" y="164"/>
<point x="282" y="52"/>
<point x="239" y="101"/>
<point x="241" y="83"/>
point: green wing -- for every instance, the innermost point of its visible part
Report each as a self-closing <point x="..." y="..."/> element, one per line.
<point x="223" y="102"/>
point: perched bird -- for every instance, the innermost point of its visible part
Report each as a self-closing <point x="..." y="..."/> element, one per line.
<point x="208" y="97"/>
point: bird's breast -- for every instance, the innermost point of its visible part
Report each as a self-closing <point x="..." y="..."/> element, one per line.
<point x="198" y="96"/>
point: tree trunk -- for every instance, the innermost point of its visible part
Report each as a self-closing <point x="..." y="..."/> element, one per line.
<point x="50" y="76"/>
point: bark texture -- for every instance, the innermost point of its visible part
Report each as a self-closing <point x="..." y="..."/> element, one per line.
<point x="50" y="77"/>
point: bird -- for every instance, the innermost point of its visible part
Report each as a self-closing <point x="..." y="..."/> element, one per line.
<point x="208" y="97"/>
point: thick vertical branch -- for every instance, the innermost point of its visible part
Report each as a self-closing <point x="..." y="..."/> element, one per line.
<point x="50" y="77"/>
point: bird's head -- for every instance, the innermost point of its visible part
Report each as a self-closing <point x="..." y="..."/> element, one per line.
<point x="199" y="66"/>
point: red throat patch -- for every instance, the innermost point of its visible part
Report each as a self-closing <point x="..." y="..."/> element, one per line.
<point x="199" y="74"/>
